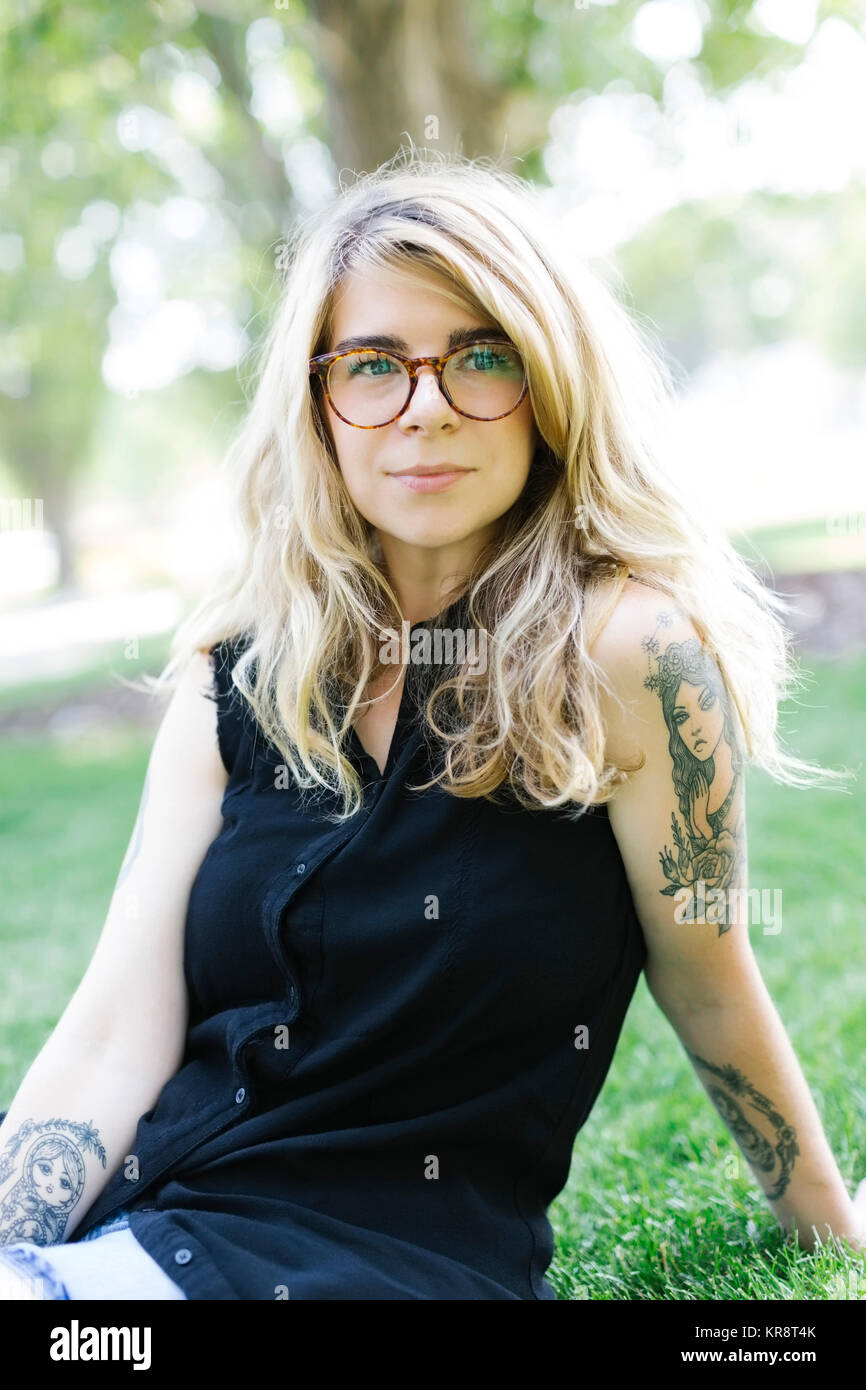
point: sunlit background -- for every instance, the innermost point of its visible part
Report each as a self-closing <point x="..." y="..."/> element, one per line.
<point x="707" y="156"/>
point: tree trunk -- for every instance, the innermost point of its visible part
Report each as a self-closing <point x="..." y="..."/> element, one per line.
<point x="57" y="500"/>
<point x="400" y="69"/>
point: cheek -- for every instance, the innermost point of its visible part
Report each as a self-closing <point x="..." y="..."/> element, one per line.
<point x="684" y="735"/>
<point x="355" y="459"/>
<point x="509" y="458"/>
<point x="347" y="444"/>
<point x="508" y="483"/>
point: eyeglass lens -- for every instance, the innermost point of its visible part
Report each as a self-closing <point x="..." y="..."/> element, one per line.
<point x="370" y="388"/>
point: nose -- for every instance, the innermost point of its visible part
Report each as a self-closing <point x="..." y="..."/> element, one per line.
<point x="428" y="390"/>
<point x="428" y="375"/>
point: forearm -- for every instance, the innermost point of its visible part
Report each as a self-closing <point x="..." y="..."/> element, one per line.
<point x="744" y="1059"/>
<point x="70" y="1125"/>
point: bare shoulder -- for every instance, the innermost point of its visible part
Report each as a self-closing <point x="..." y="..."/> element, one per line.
<point x="200" y="669"/>
<point x="637" y="612"/>
<point x="187" y="744"/>
<point x="195" y="689"/>
<point x="644" y="627"/>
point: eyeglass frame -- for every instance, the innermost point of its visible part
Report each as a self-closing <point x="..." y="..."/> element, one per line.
<point x="320" y="369"/>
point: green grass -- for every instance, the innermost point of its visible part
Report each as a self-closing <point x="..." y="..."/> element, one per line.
<point x="659" y="1203"/>
<point x="105" y="666"/>
<point x="649" y="1211"/>
<point x="834" y="542"/>
<point x="66" y="814"/>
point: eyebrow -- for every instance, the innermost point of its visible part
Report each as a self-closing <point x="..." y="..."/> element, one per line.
<point x="458" y="337"/>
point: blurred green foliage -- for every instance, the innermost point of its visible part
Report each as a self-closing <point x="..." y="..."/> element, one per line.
<point x="117" y="119"/>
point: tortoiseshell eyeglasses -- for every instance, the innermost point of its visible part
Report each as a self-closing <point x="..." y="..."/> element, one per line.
<point x="369" y="387"/>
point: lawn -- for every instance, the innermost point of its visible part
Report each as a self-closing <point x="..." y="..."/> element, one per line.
<point x="659" y="1204"/>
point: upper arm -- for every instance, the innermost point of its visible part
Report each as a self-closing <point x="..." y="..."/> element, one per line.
<point x="135" y="977"/>
<point x="679" y="820"/>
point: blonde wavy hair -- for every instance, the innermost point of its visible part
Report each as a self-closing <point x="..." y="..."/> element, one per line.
<point x="310" y="596"/>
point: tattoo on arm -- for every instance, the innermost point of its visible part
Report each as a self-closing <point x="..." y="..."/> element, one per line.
<point x="46" y="1160"/>
<point x="763" y="1155"/>
<point x="706" y="753"/>
<point x="135" y="842"/>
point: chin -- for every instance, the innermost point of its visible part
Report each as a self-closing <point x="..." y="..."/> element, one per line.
<point x="431" y="537"/>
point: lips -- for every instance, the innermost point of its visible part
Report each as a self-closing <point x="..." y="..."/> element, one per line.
<point x="430" y="479"/>
<point x="432" y="470"/>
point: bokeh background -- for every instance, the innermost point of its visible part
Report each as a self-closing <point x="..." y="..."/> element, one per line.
<point x="709" y="159"/>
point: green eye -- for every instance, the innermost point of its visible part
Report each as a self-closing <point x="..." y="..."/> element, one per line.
<point x="359" y="366"/>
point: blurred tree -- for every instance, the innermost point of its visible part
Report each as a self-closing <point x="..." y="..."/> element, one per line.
<point x="391" y="68"/>
<point x="185" y="137"/>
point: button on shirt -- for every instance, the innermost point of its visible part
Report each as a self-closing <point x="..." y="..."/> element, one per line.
<point x="398" y="1025"/>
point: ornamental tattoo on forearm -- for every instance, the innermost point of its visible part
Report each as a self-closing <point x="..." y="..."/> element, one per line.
<point x="762" y="1155"/>
<point x="48" y="1156"/>
<point x="707" y="768"/>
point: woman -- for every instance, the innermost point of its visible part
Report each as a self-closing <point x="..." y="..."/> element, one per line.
<point x="386" y="904"/>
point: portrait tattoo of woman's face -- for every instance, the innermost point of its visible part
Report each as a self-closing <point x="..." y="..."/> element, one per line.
<point x="707" y="853"/>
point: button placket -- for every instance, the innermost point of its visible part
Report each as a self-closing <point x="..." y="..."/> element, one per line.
<point x="113" y="1198"/>
<point x="275" y="1016"/>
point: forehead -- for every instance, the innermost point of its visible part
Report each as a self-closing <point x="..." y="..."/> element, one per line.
<point x="406" y="301"/>
<point x="691" y="690"/>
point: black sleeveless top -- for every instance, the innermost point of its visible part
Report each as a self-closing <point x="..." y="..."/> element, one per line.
<point x="397" y="1027"/>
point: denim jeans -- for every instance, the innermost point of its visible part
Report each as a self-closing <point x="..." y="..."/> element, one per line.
<point x="107" y="1263"/>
